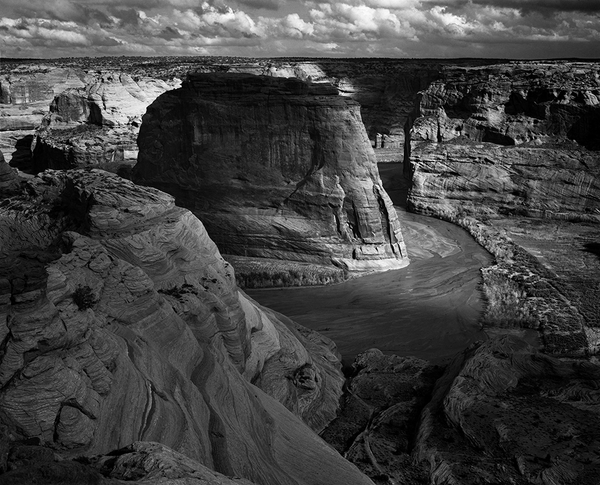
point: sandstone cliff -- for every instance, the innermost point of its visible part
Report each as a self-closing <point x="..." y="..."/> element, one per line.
<point x="25" y="93"/>
<point x="275" y="168"/>
<point x="120" y="322"/>
<point x="511" y="139"/>
<point x="96" y="125"/>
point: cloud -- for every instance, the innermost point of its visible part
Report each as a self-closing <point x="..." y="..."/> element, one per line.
<point x="339" y="21"/>
<point x="262" y="4"/>
<point x="413" y="28"/>
<point x="545" y="6"/>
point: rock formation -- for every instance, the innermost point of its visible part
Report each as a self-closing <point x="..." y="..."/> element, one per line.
<point x="25" y="93"/>
<point x="511" y="139"/>
<point x="501" y="412"/>
<point x="121" y="322"/>
<point x="145" y="463"/>
<point x="377" y="425"/>
<point x="275" y="168"/>
<point x="9" y="178"/>
<point x="504" y="413"/>
<point x="96" y="125"/>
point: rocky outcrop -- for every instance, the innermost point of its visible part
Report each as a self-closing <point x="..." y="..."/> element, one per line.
<point x="9" y="178"/>
<point x="145" y="463"/>
<point x="501" y="412"/>
<point x="25" y="93"/>
<point x="121" y="322"/>
<point x="275" y="168"/>
<point x="96" y="125"/>
<point x="512" y="139"/>
<point x="378" y="421"/>
<point x="515" y="412"/>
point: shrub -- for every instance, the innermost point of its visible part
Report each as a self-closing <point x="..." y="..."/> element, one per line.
<point x="84" y="297"/>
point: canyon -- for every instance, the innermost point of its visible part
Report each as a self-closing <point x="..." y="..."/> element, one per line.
<point x="130" y="352"/>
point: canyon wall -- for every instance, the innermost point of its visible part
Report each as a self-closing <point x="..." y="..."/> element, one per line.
<point x="96" y="125"/>
<point x="121" y="322"/>
<point x="511" y="139"/>
<point x="275" y="168"/>
<point x="26" y="91"/>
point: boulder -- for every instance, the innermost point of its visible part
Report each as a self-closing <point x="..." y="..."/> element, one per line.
<point x="275" y="168"/>
<point x="121" y="322"/>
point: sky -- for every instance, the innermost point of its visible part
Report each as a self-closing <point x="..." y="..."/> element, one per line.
<point x="516" y="29"/>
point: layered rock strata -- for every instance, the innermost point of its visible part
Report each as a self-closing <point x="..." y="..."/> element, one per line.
<point x="25" y="93"/>
<point x="518" y="138"/>
<point x="96" y="125"/>
<point x="275" y="168"/>
<point x="121" y="322"/>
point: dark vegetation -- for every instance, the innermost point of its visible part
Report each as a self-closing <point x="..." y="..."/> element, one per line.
<point x="84" y="297"/>
<point x="270" y="273"/>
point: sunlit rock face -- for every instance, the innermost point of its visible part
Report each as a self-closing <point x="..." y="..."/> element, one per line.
<point x="275" y="168"/>
<point x="96" y="125"/>
<point x="121" y="322"/>
<point x="25" y="94"/>
<point x="518" y="138"/>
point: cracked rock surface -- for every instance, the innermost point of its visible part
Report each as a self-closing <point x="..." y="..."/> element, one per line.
<point x="120" y="322"/>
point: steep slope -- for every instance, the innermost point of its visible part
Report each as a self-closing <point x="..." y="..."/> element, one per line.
<point x="275" y="168"/>
<point x="121" y="322"/>
<point x="512" y="139"/>
<point x="96" y="125"/>
<point x="25" y="93"/>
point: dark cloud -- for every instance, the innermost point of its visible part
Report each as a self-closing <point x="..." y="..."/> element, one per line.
<point x="262" y="4"/>
<point x="127" y="16"/>
<point x="545" y="6"/>
<point x="170" y="33"/>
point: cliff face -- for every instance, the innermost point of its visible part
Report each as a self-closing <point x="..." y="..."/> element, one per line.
<point x="25" y="93"/>
<point x="120" y="322"/>
<point x="275" y="168"/>
<point x="513" y="139"/>
<point x="96" y="125"/>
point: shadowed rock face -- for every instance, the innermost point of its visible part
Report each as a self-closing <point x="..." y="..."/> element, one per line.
<point x="504" y="413"/>
<point x="517" y="138"/>
<point x="9" y="179"/>
<point x="120" y="322"/>
<point x="275" y="168"/>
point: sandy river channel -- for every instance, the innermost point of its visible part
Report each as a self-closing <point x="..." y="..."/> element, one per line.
<point x="430" y="309"/>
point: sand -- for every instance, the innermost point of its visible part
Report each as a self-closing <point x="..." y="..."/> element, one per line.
<point x="429" y="309"/>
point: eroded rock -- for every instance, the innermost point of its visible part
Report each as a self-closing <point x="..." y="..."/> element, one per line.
<point x="275" y="168"/>
<point x="121" y="322"/>
<point x="505" y="413"/>
<point x="512" y="139"/>
<point x="378" y="421"/>
<point x="96" y="125"/>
